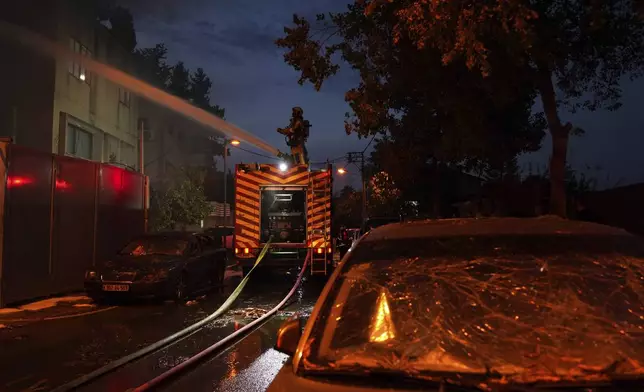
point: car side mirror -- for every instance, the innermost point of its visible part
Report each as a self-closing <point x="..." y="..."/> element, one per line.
<point x="288" y="336"/>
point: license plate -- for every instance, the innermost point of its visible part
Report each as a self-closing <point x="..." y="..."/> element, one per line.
<point x="115" y="287"/>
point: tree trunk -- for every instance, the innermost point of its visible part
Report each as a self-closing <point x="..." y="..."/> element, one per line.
<point x="436" y="197"/>
<point x="559" y="134"/>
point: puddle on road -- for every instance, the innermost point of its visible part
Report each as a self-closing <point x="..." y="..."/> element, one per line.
<point x="302" y="311"/>
<point x="250" y="312"/>
<point x="238" y="316"/>
<point x="256" y="377"/>
<point x="169" y="361"/>
<point x="250" y="365"/>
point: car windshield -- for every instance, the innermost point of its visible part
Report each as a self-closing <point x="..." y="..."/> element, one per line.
<point x="155" y="246"/>
<point x="520" y="306"/>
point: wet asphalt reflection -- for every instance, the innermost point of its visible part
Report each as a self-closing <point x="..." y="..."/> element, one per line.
<point x="46" y="354"/>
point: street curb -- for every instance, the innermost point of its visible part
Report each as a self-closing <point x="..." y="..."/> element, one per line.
<point x="59" y="317"/>
<point x="61" y="308"/>
<point x="65" y="310"/>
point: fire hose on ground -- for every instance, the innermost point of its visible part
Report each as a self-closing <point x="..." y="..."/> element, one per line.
<point x="110" y="367"/>
<point x="195" y="359"/>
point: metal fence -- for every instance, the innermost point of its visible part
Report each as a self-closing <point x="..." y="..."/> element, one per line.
<point x="61" y="215"/>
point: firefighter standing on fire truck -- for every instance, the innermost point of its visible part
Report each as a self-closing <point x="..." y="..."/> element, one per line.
<point x="297" y="133"/>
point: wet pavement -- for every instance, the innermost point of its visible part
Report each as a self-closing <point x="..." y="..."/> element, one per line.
<point x="249" y="366"/>
<point x="69" y="306"/>
<point x="46" y="354"/>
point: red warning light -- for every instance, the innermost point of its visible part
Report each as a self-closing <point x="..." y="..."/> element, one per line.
<point x="116" y="179"/>
<point x="62" y="184"/>
<point x="14" y="181"/>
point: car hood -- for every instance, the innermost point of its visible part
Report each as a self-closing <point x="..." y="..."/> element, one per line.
<point x="287" y="381"/>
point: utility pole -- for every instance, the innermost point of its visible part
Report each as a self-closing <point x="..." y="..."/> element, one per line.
<point x="357" y="158"/>
<point x="226" y="142"/>
<point x="226" y="152"/>
<point x="142" y="128"/>
<point x="143" y="125"/>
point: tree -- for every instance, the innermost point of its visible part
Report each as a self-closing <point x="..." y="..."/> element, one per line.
<point x="429" y="114"/>
<point x="384" y="197"/>
<point x="182" y="203"/>
<point x="200" y="86"/>
<point x="152" y="65"/>
<point x="179" y="83"/>
<point x="579" y="49"/>
<point x="121" y="25"/>
<point x="406" y="163"/>
<point x="347" y="207"/>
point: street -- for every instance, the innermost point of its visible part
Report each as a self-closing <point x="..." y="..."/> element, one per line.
<point x="45" y="354"/>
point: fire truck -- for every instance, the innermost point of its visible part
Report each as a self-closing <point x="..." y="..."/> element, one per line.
<point x="291" y="206"/>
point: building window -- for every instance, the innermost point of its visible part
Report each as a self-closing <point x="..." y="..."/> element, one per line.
<point x="124" y="97"/>
<point x="77" y="69"/>
<point x="78" y="142"/>
<point x="128" y="155"/>
<point x="111" y="146"/>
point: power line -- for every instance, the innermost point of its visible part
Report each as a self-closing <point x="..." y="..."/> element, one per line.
<point x="258" y="154"/>
<point x="368" y="144"/>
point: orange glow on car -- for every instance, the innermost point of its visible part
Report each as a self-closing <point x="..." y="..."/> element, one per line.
<point x="382" y="328"/>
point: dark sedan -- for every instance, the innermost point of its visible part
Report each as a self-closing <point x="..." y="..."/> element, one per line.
<point x="171" y="265"/>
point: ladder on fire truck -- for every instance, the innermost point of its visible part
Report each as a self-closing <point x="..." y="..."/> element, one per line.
<point x="320" y="260"/>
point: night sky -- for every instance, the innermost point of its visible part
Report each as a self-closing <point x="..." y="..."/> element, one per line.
<point x="233" y="41"/>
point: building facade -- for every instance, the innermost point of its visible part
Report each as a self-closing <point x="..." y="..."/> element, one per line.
<point x="173" y="142"/>
<point x="58" y="106"/>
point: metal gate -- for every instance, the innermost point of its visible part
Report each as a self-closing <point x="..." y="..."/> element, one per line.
<point x="61" y="215"/>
